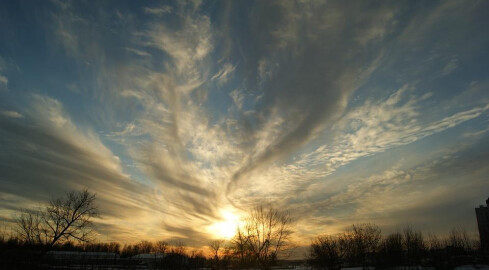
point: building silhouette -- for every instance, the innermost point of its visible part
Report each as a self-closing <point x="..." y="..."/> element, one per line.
<point x="482" y="213"/>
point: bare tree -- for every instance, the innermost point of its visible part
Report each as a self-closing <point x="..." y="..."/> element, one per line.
<point x="114" y="247"/>
<point x="434" y="242"/>
<point x="414" y="245"/>
<point x="161" y="247"/>
<point x="29" y="227"/>
<point x="62" y="219"/>
<point x="325" y="253"/>
<point x="216" y="246"/>
<point x="177" y="257"/>
<point x="179" y="248"/>
<point x="359" y="243"/>
<point x="239" y="245"/>
<point x="3" y="235"/>
<point x="264" y="236"/>
<point x="144" y="246"/>
<point x="391" y="251"/>
<point x="459" y="238"/>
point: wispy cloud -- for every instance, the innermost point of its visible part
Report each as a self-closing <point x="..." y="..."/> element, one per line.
<point x="61" y="157"/>
<point x="3" y="80"/>
<point x="158" y="10"/>
<point x="12" y="114"/>
<point x="450" y="67"/>
<point x="222" y="75"/>
<point x="185" y="109"/>
<point x="367" y="130"/>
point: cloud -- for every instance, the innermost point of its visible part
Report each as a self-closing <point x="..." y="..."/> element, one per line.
<point x="450" y="67"/>
<point x="222" y="75"/>
<point x="414" y="189"/>
<point x="158" y="10"/>
<point x="138" y="52"/>
<point x="275" y="146"/>
<point x="171" y="141"/>
<point x="68" y="30"/>
<point x="302" y="87"/>
<point x="187" y="46"/>
<point x="61" y="157"/>
<point x="128" y="130"/>
<point x="3" y="80"/>
<point x="370" y="129"/>
<point x="476" y="133"/>
<point x="189" y="109"/>
<point x="12" y="114"/>
<point x="238" y="98"/>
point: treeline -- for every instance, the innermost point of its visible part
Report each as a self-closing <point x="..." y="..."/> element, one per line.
<point x="361" y="245"/>
<point x="364" y="246"/>
<point x="124" y="251"/>
<point x="68" y="219"/>
<point x="17" y="253"/>
<point x="263" y="237"/>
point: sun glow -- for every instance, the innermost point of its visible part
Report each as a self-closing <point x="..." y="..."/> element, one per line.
<point x="226" y="228"/>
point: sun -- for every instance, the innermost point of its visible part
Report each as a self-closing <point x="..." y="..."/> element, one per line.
<point x="226" y="228"/>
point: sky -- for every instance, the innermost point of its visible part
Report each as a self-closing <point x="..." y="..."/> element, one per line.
<point x="183" y="115"/>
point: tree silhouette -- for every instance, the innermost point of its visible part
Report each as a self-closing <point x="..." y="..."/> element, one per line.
<point x="161" y="247"/>
<point x="216" y="246"/>
<point x="359" y="243"/>
<point x="265" y="234"/>
<point x="414" y="246"/>
<point x="62" y="219"/>
<point x="325" y="253"/>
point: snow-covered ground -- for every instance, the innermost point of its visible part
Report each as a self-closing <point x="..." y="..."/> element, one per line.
<point x="149" y="256"/>
<point x="472" y="267"/>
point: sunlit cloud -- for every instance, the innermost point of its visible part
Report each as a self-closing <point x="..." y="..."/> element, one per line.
<point x="183" y="116"/>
